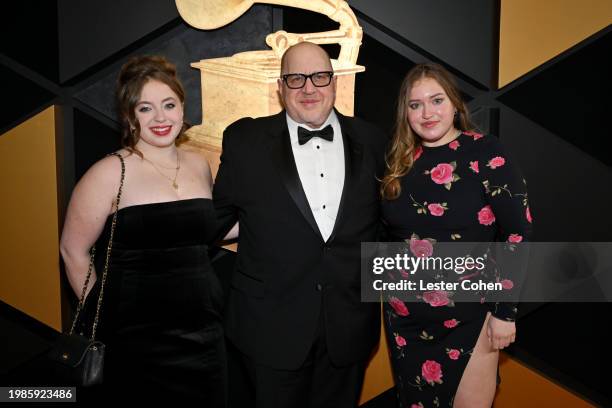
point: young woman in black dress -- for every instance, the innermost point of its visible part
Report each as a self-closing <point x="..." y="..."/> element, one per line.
<point x="439" y="187"/>
<point x="161" y="307"/>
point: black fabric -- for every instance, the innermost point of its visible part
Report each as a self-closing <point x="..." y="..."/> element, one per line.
<point x="161" y="318"/>
<point x="318" y="383"/>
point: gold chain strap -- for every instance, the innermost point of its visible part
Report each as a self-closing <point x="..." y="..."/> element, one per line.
<point x="92" y="253"/>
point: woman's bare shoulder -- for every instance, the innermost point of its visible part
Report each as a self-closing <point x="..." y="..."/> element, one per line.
<point x="105" y="174"/>
<point x="194" y="158"/>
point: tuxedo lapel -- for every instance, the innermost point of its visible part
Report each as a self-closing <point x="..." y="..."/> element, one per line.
<point x="282" y="155"/>
<point x="353" y="155"/>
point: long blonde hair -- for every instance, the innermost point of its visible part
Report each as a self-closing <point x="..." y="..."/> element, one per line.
<point x="400" y="156"/>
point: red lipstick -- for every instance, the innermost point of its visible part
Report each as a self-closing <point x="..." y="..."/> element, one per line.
<point x="161" y="130"/>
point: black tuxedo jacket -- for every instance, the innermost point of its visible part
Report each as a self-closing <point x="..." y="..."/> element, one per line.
<point x="287" y="277"/>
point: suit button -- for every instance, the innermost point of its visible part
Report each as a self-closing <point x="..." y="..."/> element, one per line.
<point x="319" y="287"/>
<point x="326" y="248"/>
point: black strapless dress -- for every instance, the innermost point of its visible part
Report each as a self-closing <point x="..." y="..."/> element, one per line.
<point x="161" y="319"/>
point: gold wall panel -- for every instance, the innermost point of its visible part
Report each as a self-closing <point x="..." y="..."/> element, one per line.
<point x="533" y="32"/>
<point x="378" y="375"/>
<point x="524" y="387"/>
<point x="29" y="244"/>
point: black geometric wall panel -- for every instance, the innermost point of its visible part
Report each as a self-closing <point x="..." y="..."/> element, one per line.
<point x="574" y="365"/>
<point x="21" y="97"/>
<point x="29" y="35"/>
<point x="90" y="31"/>
<point x="463" y="34"/>
<point x="569" y="191"/>
<point x="184" y="45"/>
<point x="380" y="82"/>
<point x="92" y="141"/>
<point x="572" y="99"/>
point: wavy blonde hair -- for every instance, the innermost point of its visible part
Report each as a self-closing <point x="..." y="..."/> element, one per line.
<point x="399" y="159"/>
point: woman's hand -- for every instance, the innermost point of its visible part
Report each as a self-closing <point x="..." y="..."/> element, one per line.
<point x="501" y="333"/>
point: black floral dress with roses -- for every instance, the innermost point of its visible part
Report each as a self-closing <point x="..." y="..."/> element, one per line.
<point x="465" y="191"/>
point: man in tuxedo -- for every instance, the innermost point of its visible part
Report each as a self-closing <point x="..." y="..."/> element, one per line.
<point x="303" y="186"/>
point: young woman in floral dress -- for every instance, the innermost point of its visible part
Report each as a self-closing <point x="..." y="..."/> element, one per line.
<point x="447" y="183"/>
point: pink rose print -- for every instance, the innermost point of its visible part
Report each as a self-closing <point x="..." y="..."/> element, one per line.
<point x="442" y="173"/>
<point x="399" y="306"/>
<point x="417" y="153"/>
<point x="486" y="216"/>
<point x="507" y="284"/>
<point x="421" y="247"/>
<point x="475" y="135"/>
<point x="404" y="273"/>
<point x="436" y="298"/>
<point x="400" y="341"/>
<point x="419" y="405"/>
<point x="435" y="209"/>
<point x="515" y="238"/>
<point x="432" y="371"/>
<point x="528" y="215"/>
<point x="449" y="324"/>
<point x="474" y="166"/>
<point x="454" y="354"/>
<point x="496" y="162"/>
<point x="454" y="144"/>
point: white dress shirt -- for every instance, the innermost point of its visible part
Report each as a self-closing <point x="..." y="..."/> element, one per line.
<point x="320" y="165"/>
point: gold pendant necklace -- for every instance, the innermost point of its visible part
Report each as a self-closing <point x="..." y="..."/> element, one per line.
<point x="177" y="168"/>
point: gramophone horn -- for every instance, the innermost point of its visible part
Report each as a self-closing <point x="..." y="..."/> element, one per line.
<point x="210" y="14"/>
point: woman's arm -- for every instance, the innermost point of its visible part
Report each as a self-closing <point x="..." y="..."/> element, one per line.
<point x="506" y="192"/>
<point x="233" y="232"/>
<point x="89" y="207"/>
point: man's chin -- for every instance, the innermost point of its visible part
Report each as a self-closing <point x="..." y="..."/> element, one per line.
<point x="315" y="121"/>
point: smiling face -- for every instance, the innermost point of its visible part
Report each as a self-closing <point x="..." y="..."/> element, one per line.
<point x="431" y="112"/>
<point x="159" y="113"/>
<point x="309" y="105"/>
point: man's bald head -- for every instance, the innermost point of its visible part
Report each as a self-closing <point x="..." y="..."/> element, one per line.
<point x="307" y="47"/>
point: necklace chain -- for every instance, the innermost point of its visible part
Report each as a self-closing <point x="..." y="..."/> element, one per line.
<point x="177" y="168"/>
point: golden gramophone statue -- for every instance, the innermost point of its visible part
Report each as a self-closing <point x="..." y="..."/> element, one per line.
<point x="244" y="85"/>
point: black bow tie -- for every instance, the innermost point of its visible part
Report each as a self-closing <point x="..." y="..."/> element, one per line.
<point x="304" y="135"/>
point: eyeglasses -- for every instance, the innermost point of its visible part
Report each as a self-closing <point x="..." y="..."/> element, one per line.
<point x="318" y="79"/>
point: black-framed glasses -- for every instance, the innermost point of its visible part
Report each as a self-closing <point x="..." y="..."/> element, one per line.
<point x="318" y="79"/>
